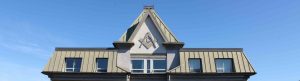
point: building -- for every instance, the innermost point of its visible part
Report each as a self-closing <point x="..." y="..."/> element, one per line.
<point x="148" y="51"/>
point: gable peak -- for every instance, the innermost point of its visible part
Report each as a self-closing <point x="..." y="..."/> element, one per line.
<point x="159" y="24"/>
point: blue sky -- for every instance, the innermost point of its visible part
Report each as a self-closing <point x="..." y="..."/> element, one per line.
<point x="268" y="30"/>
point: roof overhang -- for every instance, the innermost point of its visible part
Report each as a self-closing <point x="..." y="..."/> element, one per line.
<point x="173" y="45"/>
<point x="123" y="45"/>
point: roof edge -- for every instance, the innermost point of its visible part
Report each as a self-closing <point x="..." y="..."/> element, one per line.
<point x="89" y="48"/>
<point x="213" y="49"/>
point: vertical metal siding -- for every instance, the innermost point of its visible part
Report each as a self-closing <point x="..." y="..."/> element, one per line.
<point x="236" y="62"/>
<point x="182" y="62"/>
<point x="115" y="62"/>
<point x="240" y="62"/>
<point x="110" y="61"/>
<point x="212" y="62"/>
<point x="202" y="61"/>
<point x="186" y="56"/>
<point x="57" y="62"/>
<point x="206" y="61"/>
<point x="246" y="64"/>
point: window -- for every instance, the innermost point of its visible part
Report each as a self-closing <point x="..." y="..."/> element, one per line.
<point x="159" y="66"/>
<point x="224" y="65"/>
<point x="195" y="65"/>
<point x="102" y="64"/>
<point x="138" y="66"/>
<point x="149" y="66"/>
<point x="73" y="64"/>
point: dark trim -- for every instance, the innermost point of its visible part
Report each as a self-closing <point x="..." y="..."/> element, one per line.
<point x="123" y="45"/>
<point x="149" y="7"/>
<point x="213" y="49"/>
<point x="81" y="49"/>
<point x="50" y="73"/>
<point x="92" y="76"/>
<point x="183" y="73"/>
<point x="173" y="45"/>
<point x="213" y="73"/>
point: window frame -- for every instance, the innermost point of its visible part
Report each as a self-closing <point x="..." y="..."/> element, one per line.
<point x="232" y="65"/>
<point x="103" y="69"/>
<point x="200" y="63"/>
<point x="73" y="69"/>
<point x="146" y="69"/>
<point x="143" y="69"/>
<point x="152" y="70"/>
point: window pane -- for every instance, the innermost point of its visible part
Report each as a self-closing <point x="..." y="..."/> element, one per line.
<point x="137" y="64"/>
<point x="102" y="63"/>
<point x="77" y="64"/>
<point x="159" y="64"/>
<point x="73" y="64"/>
<point x="195" y="65"/>
<point x="69" y="63"/>
<point x="224" y="65"/>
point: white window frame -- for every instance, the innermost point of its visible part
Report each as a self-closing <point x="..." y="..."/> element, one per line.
<point x="200" y="65"/>
<point x="101" y="68"/>
<point x="73" y="65"/>
<point x="145" y="69"/>
<point x="222" y="68"/>
<point x="152" y="66"/>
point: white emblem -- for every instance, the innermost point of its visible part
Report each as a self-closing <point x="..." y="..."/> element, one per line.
<point x="147" y="41"/>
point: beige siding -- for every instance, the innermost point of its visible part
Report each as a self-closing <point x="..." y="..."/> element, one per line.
<point x="212" y="61"/>
<point x="57" y="62"/>
<point x="206" y="61"/>
<point x="203" y="61"/>
<point x="240" y="62"/>
<point x="246" y="64"/>
<point x="186" y="56"/>
<point x="62" y="60"/>
<point x="115" y="69"/>
<point x="220" y="54"/>
<point x="236" y="62"/>
<point x="110" y="61"/>
<point x="225" y="54"/>
<point x="91" y="60"/>
<point x="182" y="62"/>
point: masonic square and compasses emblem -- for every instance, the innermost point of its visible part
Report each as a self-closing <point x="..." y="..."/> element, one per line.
<point x="147" y="41"/>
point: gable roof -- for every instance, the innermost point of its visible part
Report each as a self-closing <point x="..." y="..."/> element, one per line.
<point x="148" y="11"/>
